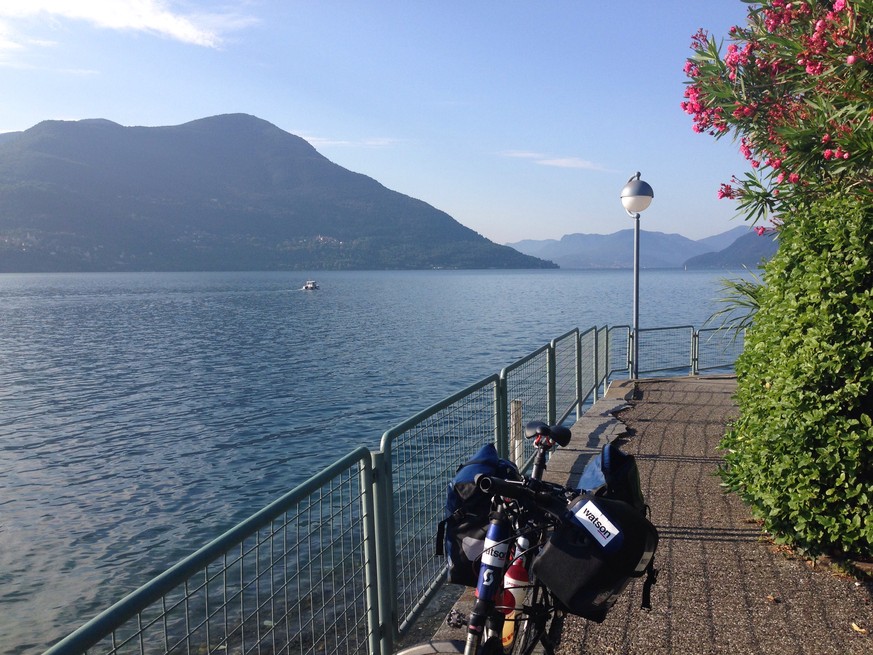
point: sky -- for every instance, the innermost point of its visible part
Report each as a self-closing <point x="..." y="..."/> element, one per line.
<point x="522" y="120"/>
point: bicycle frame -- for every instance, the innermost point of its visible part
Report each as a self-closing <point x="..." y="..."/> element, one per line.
<point x="494" y="562"/>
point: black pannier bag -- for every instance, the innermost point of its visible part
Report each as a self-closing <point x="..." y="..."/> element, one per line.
<point x="461" y="533"/>
<point x="590" y="558"/>
<point x="614" y="474"/>
<point x="589" y="561"/>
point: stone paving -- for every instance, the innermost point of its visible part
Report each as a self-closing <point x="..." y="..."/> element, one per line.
<point x="723" y="587"/>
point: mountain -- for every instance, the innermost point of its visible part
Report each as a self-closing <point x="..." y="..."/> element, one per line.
<point x="746" y="252"/>
<point x="230" y="192"/>
<point x="724" y="239"/>
<point x="657" y="250"/>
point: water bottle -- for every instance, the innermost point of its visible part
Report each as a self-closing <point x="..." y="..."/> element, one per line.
<point x="515" y="583"/>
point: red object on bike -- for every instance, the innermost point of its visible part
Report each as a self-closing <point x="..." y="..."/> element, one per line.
<point x="507" y="602"/>
<point x="515" y="581"/>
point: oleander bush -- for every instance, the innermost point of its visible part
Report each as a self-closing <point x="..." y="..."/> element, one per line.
<point x="793" y="88"/>
<point x="802" y="451"/>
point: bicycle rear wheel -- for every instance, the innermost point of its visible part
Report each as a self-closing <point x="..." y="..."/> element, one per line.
<point x="538" y="627"/>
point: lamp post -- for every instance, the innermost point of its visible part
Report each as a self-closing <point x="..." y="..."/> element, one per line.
<point x="636" y="196"/>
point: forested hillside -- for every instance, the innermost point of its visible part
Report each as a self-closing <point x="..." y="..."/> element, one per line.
<point x="230" y="192"/>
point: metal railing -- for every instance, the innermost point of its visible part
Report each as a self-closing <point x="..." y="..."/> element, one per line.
<point x="714" y="349"/>
<point x="344" y="563"/>
<point x="417" y="458"/>
<point x="295" y="577"/>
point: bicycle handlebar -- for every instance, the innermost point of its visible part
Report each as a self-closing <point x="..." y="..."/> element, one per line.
<point x="553" y="500"/>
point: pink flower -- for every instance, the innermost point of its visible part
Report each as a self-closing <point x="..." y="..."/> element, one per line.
<point x="839" y="5"/>
<point x="727" y="191"/>
<point x="700" y="39"/>
<point x="851" y="59"/>
<point x="761" y="231"/>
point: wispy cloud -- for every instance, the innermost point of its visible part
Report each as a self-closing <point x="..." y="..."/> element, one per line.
<point x="571" y="162"/>
<point x="522" y="154"/>
<point x="370" y="142"/>
<point x="156" y="17"/>
<point x="558" y="162"/>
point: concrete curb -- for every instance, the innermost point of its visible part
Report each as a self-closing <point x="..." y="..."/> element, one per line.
<point x="591" y="432"/>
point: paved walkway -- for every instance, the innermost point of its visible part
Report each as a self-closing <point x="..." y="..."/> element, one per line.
<point x="722" y="588"/>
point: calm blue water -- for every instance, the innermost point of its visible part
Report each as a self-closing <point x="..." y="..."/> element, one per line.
<point x="143" y="414"/>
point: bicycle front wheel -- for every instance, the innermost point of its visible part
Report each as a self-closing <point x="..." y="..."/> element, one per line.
<point x="450" y="647"/>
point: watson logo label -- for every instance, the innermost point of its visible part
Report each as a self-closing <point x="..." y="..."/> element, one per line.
<point x="495" y="552"/>
<point x="593" y="520"/>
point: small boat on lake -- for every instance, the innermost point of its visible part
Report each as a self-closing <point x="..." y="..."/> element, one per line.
<point x="310" y="285"/>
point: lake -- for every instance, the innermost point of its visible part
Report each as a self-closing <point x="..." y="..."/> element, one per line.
<point x="143" y="414"/>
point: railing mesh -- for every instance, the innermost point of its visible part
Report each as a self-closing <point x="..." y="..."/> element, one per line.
<point x="617" y="357"/>
<point x="566" y="349"/>
<point x="425" y="454"/>
<point x="294" y="582"/>
<point x="663" y="350"/>
<point x="587" y="353"/>
<point x="527" y="398"/>
<point x="718" y="349"/>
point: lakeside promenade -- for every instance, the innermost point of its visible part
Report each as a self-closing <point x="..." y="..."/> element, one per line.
<point x="723" y="587"/>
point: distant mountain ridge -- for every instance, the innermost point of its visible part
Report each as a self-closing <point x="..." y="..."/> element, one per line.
<point x="230" y="192"/>
<point x="749" y="250"/>
<point x="736" y="248"/>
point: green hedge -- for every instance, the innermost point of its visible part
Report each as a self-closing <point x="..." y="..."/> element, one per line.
<point x="801" y="452"/>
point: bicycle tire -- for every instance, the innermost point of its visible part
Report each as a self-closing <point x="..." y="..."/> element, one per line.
<point x="451" y="647"/>
<point x="555" y="629"/>
<point x="448" y="647"/>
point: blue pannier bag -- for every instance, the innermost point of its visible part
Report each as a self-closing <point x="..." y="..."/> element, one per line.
<point x="607" y="540"/>
<point x="461" y="533"/>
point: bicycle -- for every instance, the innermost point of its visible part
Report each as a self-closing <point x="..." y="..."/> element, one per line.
<point x="513" y="615"/>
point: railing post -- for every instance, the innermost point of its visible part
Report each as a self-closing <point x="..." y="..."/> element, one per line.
<point x="594" y="364"/>
<point x="382" y="637"/>
<point x="516" y="434"/>
<point x="695" y="352"/>
<point x="579" y="375"/>
<point x="553" y="383"/>
<point x="501" y="425"/>
<point x="370" y="533"/>
<point x="631" y="338"/>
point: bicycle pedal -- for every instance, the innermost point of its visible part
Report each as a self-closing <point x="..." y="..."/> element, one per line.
<point x="456" y="619"/>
